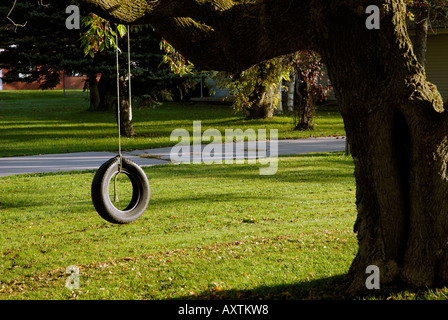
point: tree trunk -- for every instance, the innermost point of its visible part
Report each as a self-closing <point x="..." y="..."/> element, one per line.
<point x="265" y="97"/>
<point x="397" y="132"/>
<point x="306" y="106"/>
<point x="288" y="97"/>
<point x="125" y="121"/>
<point x="290" y="93"/>
<point x="93" y="92"/>
<point x="107" y="87"/>
<point x="264" y="101"/>
<point x="126" y="126"/>
<point x="106" y="99"/>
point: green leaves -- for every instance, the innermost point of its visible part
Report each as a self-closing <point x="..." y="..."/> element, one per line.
<point x="100" y="35"/>
<point x="438" y="10"/>
<point x="122" y="30"/>
<point x="177" y="63"/>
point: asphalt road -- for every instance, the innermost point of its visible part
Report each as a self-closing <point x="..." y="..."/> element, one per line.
<point x="150" y="157"/>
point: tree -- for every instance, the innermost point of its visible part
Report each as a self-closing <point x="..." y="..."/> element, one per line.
<point x="424" y="13"/>
<point x="99" y="37"/>
<point x="256" y="90"/>
<point x="154" y="75"/>
<point x="263" y="96"/>
<point x="43" y="49"/>
<point x="26" y="58"/>
<point x="394" y="118"/>
<point x="309" y="69"/>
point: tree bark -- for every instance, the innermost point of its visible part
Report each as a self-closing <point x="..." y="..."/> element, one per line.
<point x="265" y="95"/>
<point x="264" y="103"/>
<point x="107" y="87"/>
<point x="396" y="126"/>
<point x="104" y="97"/>
<point x="230" y="35"/>
<point x="93" y="93"/>
<point x="306" y="105"/>
<point x="394" y="118"/>
<point x="125" y="122"/>
<point x="421" y="34"/>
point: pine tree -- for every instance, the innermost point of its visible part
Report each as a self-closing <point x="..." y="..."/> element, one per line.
<point x="44" y="47"/>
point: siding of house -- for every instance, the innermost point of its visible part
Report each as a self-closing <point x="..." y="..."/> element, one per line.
<point x="437" y="62"/>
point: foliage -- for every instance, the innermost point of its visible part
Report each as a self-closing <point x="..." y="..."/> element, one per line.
<point x="274" y="72"/>
<point x="100" y="34"/>
<point x="163" y="83"/>
<point x="437" y="10"/>
<point x="41" y="49"/>
<point x="177" y="63"/>
<point x="309" y="87"/>
<point x="44" y="48"/>
<point x="309" y="64"/>
<point x="245" y="85"/>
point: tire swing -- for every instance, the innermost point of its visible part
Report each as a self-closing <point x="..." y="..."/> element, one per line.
<point x="110" y="171"/>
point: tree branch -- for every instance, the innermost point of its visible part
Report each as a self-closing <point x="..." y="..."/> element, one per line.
<point x="225" y="35"/>
<point x="121" y="11"/>
<point x="16" y="25"/>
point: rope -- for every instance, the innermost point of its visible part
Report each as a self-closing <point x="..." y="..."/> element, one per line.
<point x="118" y="102"/>
<point x="129" y="74"/>
<point x="118" y="120"/>
<point x="119" y="105"/>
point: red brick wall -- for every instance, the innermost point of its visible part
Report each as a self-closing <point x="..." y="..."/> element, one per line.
<point x="70" y="83"/>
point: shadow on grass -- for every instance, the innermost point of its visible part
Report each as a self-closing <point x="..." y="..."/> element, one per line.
<point x="334" y="288"/>
<point x="331" y="288"/>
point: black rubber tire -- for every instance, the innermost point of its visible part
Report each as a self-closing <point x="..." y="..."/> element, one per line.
<point x="140" y="191"/>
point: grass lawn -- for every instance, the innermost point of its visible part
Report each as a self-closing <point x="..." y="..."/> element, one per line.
<point x="42" y="122"/>
<point x="210" y="231"/>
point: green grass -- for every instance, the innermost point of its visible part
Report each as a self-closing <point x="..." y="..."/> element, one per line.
<point x="42" y="122"/>
<point x="210" y="231"/>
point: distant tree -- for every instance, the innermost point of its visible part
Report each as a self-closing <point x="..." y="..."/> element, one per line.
<point x="308" y="71"/>
<point x="256" y="90"/>
<point x="44" y="48"/>
<point x="151" y="78"/>
<point x="426" y="13"/>
<point x="30" y="52"/>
